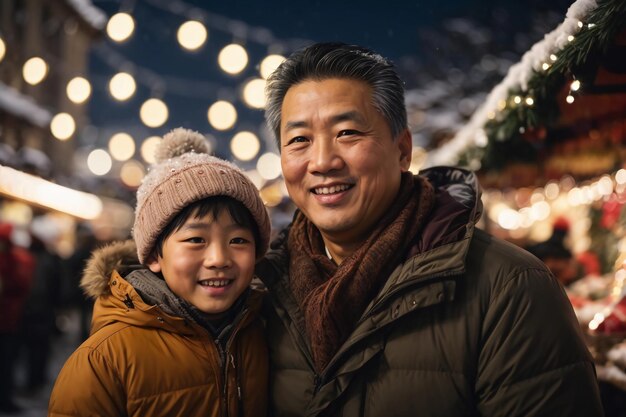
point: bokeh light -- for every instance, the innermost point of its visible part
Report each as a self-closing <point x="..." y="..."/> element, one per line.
<point x="35" y="70"/>
<point x="62" y="126"/>
<point x="245" y="145"/>
<point x="122" y="146"/>
<point x="153" y="112"/>
<point x="254" y="93"/>
<point x="269" y="64"/>
<point x="222" y="115"/>
<point x="192" y="35"/>
<point x="99" y="162"/>
<point x="148" y="148"/>
<point x="233" y="58"/>
<point x="78" y="90"/>
<point x="120" y="27"/>
<point x="122" y="86"/>
<point x="268" y="166"/>
<point x="131" y="173"/>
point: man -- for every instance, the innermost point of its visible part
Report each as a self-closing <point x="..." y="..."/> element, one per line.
<point x="384" y="299"/>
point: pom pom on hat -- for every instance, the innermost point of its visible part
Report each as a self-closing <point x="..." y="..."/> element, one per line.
<point x="183" y="174"/>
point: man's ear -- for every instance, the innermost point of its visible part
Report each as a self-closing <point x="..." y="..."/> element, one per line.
<point x="153" y="263"/>
<point x="405" y="145"/>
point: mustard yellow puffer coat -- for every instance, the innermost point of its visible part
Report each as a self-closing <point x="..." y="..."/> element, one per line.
<point x="140" y="361"/>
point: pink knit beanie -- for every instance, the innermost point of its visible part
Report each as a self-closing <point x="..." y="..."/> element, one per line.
<point x="184" y="173"/>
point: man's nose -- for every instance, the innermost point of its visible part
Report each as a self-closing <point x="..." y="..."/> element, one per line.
<point x="216" y="256"/>
<point x="325" y="157"/>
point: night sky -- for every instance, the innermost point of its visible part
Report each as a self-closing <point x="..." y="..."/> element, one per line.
<point x="193" y="80"/>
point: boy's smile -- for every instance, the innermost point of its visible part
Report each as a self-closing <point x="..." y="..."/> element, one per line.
<point x="208" y="262"/>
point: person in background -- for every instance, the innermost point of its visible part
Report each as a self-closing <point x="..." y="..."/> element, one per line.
<point x="40" y="306"/>
<point x="384" y="297"/>
<point x="16" y="276"/>
<point x="175" y="330"/>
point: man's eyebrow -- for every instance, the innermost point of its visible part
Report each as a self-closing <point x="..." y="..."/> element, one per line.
<point x="337" y="118"/>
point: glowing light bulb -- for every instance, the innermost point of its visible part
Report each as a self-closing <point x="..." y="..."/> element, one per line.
<point x="78" y="90"/>
<point x="222" y="115"/>
<point x="192" y="35"/>
<point x="120" y="27"/>
<point x="148" y="147"/>
<point x="153" y="113"/>
<point x="122" y="86"/>
<point x="122" y="146"/>
<point x="233" y="58"/>
<point x="62" y="126"/>
<point x="35" y="70"/>
<point x="269" y="64"/>
<point x="254" y="93"/>
<point x="245" y="145"/>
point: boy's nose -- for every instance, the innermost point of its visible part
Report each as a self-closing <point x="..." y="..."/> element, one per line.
<point x="216" y="256"/>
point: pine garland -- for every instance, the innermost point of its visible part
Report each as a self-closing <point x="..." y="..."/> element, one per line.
<point x="579" y="59"/>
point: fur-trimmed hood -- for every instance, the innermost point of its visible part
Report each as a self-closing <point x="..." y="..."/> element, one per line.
<point x="103" y="261"/>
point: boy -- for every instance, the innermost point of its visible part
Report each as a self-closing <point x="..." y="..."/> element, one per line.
<point x="175" y="330"/>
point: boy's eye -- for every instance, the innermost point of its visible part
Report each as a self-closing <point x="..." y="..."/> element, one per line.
<point x="195" y="240"/>
<point x="239" y="241"/>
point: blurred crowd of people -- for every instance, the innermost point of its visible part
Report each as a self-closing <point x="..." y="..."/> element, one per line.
<point x="35" y="284"/>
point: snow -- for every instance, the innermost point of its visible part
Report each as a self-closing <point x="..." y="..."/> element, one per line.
<point x="90" y="13"/>
<point x="23" y="106"/>
<point x="517" y="77"/>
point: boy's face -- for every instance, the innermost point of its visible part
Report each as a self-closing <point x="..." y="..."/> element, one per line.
<point x="207" y="262"/>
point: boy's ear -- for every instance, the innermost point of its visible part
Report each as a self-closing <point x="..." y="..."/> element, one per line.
<point x="153" y="263"/>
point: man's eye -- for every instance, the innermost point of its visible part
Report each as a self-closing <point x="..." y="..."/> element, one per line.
<point x="239" y="241"/>
<point x="347" y="132"/>
<point x="297" y="139"/>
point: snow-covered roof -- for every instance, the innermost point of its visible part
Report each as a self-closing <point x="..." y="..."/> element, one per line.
<point x="22" y="106"/>
<point x="95" y="17"/>
<point x="517" y="77"/>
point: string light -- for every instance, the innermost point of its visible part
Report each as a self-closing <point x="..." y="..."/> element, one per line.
<point x="153" y="112"/>
<point x="99" y="162"/>
<point x="122" y="86"/>
<point x="254" y="93"/>
<point x="35" y="70"/>
<point x="62" y="126"/>
<point x="192" y="35"/>
<point x="580" y="24"/>
<point x="131" y="173"/>
<point x="222" y="115"/>
<point x="233" y="58"/>
<point x="78" y="90"/>
<point x="545" y="66"/>
<point x="268" y="166"/>
<point x="3" y="49"/>
<point x="269" y="64"/>
<point x="529" y="101"/>
<point x="148" y="148"/>
<point x="553" y="57"/>
<point x="575" y="85"/>
<point x="569" y="99"/>
<point x="245" y="145"/>
<point x="570" y="38"/>
<point x="122" y="146"/>
<point x="120" y="27"/>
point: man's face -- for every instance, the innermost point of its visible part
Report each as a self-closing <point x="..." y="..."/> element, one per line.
<point x="340" y="162"/>
<point x="208" y="262"/>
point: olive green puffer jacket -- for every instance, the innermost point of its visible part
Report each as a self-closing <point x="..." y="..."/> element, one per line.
<point x="470" y="327"/>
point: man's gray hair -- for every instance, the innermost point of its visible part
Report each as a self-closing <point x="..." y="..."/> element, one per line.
<point x="337" y="60"/>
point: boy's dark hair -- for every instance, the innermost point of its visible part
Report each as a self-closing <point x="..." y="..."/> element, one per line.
<point x="211" y="205"/>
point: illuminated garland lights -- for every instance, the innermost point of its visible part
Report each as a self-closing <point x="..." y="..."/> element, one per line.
<point x="527" y="97"/>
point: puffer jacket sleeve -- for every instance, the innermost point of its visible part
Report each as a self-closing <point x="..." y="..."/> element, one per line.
<point x="533" y="360"/>
<point x="87" y="385"/>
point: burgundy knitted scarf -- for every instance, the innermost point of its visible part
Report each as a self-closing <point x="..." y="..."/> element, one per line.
<point x="333" y="297"/>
